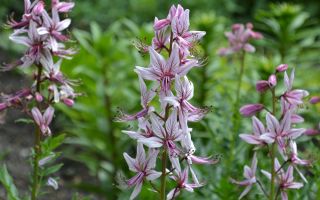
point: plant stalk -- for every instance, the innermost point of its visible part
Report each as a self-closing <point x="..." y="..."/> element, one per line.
<point x="236" y="114"/>
<point x="272" y="152"/>
<point x="163" y="176"/>
<point x="37" y="146"/>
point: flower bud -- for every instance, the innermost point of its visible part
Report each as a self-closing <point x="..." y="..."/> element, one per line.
<point x="262" y="86"/>
<point x="28" y="98"/>
<point x="160" y="24"/>
<point x="311" y="132"/>
<point x="282" y="68"/>
<point x="53" y="183"/>
<point x="236" y="27"/>
<point x="315" y="100"/>
<point x="3" y="106"/>
<point x="38" y="97"/>
<point x="272" y="80"/>
<point x="39" y="8"/>
<point x="68" y="102"/>
<point x="251" y="109"/>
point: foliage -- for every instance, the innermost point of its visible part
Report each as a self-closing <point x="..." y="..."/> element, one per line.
<point x="286" y="26"/>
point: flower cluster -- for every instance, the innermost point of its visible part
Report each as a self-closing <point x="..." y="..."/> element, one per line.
<point x="239" y="39"/>
<point x="41" y="31"/>
<point x="166" y="132"/>
<point x="279" y="135"/>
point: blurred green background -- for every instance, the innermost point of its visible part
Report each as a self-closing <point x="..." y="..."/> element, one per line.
<point x="104" y="32"/>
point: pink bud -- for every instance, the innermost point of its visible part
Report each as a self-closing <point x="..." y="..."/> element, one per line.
<point x="315" y="100"/>
<point x="251" y="109"/>
<point x="159" y="24"/>
<point x="29" y="97"/>
<point x="249" y="25"/>
<point x="311" y="132"/>
<point x="38" y="97"/>
<point x="236" y="27"/>
<point x="272" y="80"/>
<point x="282" y="68"/>
<point x="65" y="7"/>
<point x="39" y="7"/>
<point x="262" y="86"/>
<point x="68" y="102"/>
<point x="3" y="106"/>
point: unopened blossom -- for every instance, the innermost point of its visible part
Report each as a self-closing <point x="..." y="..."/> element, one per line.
<point x="282" y="68"/>
<point x="3" y="106"/>
<point x="262" y="86"/>
<point x="272" y="80"/>
<point x="143" y="165"/>
<point x="239" y="39"/>
<point x="62" y="7"/>
<point x="294" y="97"/>
<point x="160" y="39"/>
<point x="251" y="109"/>
<point x="258" y="130"/>
<point x="312" y="132"/>
<point x="38" y="97"/>
<point x="279" y="131"/>
<point x="284" y="179"/>
<point x="315" y="100"/>
<point x="43" y="121"/>
<point x="250" y="175"/>
<point x="53" y="183"/>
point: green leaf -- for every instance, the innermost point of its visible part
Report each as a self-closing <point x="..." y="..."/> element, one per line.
<point x="24" y="120"/>
<point x="52" y="169"/>
<point x="51" y="143"/>
<point x="8" y="184"/>
<point x="96" y="31"/>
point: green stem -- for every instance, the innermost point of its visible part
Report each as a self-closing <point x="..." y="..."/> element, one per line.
<point x="273" y="172"/>
<point x="37" y="150"/>
<point x="236" y="114"/>
<point x="242" y="59"/>
<point x="163" y="176"/>
<point x="37" y="146"/>
<point x="272" y="152"/>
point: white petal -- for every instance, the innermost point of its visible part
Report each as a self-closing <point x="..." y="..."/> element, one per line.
<point x="63" y="24"/>
<point x="136" y="191"/>
<point x="153" y="175"/>
<point x="130" y="161"/>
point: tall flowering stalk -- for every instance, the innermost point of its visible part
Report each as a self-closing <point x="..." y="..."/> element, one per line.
<point x="42" y="32"/>
<point x="239" y="39"/>
<point x="278" y="137"/>
<point x="165" y="132"/>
